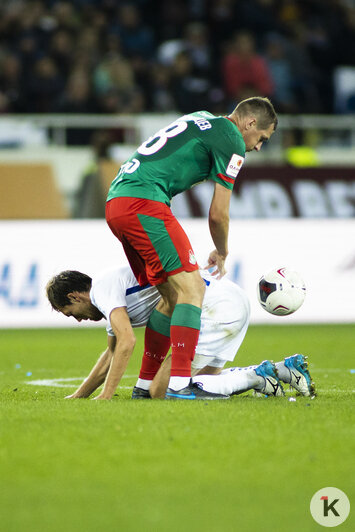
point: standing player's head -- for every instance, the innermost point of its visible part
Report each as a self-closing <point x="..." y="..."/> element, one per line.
<point x="69" y="293"/>
<point x="256" y="120"/>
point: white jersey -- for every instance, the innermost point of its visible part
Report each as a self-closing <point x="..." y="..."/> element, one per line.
<point x="224" y="318"/>
<point x="224" y="322"/>
<point x="119" y="288"/>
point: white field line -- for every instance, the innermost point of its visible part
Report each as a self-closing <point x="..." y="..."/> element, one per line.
<point x="322" y="390"/>
<point x="68" y="382"/>
<point x="329" y="370"/>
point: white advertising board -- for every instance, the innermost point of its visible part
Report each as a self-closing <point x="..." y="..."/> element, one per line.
<point x="322" y="251"/>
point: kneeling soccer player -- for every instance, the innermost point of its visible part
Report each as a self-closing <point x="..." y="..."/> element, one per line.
<point x="116" y="296"/>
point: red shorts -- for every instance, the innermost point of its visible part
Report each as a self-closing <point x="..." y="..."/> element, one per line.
<point x="154" y="242"/>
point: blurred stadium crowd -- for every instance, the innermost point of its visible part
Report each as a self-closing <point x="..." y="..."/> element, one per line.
<point x="106" y="56"/>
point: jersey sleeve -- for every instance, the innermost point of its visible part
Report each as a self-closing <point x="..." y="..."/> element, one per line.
<point x="107" y="293"/>
<point x="227" y="155"/>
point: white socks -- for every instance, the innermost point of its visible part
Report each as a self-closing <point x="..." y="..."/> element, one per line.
<point x="143" y="383"/>
<point x="178" y="383"/>
<point x="230" y="380"/>
<point x="283" y="372"/>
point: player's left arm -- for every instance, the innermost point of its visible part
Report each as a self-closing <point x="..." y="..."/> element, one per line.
<point x="218" y="220"/>
<point x="124" y="345"/>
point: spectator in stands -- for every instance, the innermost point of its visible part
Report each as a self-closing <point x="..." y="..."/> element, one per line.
<point x="11" y="84"/>
<point x="89" y="200"/>
<point x="53" y="39"/>
<point x="168" y="50"/>
<point x="304" y="73"/>
<point x="160" y="93"/>
<point x="322" y="52"/>
<point x="259" y="16"/>
<point x="136" y="38"/>
<point x="195" y="43"/>
<point x="172" y="17"/>
<point x="113" y="72"/>
<point x="61" y="50"/>
<point x="345" y="47"/>
<point x="89" y="42"/>
<point x="77" y="96"/>
<point x="111" y="102"/>
<point x="190" y="91"/>
<point x="4" y="103"/>
<point x="27" y="49"/>
<point x="222" y="21"/>
<point x="281" y="72"/>
<point x="66" y="15"/>
<point x="85" y="58"/>
<point x="45" y="86"/>
<point x="197" y="46"/>
<point x="244" y="71"/>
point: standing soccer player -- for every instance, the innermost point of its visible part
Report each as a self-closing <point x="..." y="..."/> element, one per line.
<point x="196" y="147"/>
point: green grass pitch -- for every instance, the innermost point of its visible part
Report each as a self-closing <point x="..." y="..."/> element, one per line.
<point x="247" y="464"/>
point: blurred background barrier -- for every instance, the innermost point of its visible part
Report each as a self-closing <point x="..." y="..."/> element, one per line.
<point x="322" y="251"/>
<point x="307" y="170"/>
<point x="29" y="191"/>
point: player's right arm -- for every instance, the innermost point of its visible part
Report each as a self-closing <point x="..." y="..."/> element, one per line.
<point x="125" y="342"/>
<point x="218" y="220"/>
<point x="98" y="373"/>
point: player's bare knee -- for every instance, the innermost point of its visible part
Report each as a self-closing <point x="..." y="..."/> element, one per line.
<point x="201" y="287"/>
<point x="168" y="300"/>
<point x="189" y="286"/>
<point x="198" y="289"/>
<point x="166" y="307"/>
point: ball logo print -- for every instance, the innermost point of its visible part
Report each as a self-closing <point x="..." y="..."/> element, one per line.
<point x="281" y="291"/>
<point x="330" y="507"/>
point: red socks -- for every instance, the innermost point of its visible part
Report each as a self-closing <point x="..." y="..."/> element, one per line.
<point x="183" y="346"/>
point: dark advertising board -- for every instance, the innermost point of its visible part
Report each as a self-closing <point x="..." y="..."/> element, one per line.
<point x="281" y="192"/>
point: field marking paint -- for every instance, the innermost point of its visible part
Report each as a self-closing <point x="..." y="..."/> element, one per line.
<point x="73" y="382"/>
<point x="329" y="370"/>
<point x="56" y="383"/>
<point x="67" y="383"/>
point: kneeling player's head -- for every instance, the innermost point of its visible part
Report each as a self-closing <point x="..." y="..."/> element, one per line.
<point x="69" y="293"/>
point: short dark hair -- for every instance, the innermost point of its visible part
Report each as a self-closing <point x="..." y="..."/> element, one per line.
<point x="64" y="283"/>
<point x="261" y="107"/>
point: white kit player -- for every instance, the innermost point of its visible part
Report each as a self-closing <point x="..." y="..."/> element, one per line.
<point x="116" y="296"/>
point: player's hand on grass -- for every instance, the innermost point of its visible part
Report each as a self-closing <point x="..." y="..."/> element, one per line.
<point x="101" y="398"/>
<point x="216" y="261"/>
<point x="73" y="396"/>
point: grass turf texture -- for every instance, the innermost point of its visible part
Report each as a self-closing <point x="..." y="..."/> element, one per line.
<point x="246" y="464"/>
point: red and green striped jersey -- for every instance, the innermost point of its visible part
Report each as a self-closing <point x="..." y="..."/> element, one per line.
<point x="194" y="148"/>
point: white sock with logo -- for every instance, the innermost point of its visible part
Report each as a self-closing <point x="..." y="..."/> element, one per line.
<point x="178" y="383"/>
<point x="230" y="380"/>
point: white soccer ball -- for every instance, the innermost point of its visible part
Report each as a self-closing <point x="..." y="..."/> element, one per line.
<point x="281" y="291"/>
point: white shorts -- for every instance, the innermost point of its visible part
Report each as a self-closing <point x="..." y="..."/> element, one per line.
<point x="224" y="322"/>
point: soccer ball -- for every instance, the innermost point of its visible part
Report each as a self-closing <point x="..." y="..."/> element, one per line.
<point x="281" y="291"/>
